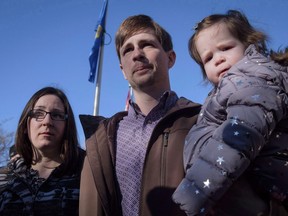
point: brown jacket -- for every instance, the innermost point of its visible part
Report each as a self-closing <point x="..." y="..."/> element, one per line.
<point x="163" y="167"/>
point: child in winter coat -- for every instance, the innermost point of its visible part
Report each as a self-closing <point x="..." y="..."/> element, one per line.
<point x="243" y="124"/>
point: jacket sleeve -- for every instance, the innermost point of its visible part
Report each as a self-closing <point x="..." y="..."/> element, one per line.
<point x="216" y="168"/>
<point x="88" y="193"/>
<point x="4" y="178"/>
<point x="252" y="113"/>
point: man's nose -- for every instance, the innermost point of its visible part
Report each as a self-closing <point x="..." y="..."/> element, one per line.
<point x="138" y="53"/>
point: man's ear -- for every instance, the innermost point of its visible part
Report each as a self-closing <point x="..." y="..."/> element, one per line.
<point x="172" y="58"/>
<point x="123" y="72"/>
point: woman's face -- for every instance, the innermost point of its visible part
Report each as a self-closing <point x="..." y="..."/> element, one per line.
<point x="46" y="130"/>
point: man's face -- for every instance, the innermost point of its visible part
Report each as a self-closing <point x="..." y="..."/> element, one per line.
<point x="144" y="62"/>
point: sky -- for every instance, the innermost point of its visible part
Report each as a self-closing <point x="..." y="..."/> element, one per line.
<point x="48" y="42"/>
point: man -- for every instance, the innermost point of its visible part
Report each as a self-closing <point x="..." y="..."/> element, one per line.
<point x="135" y="159"/>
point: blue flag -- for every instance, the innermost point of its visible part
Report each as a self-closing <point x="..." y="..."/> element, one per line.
<point x="93" y="58"/>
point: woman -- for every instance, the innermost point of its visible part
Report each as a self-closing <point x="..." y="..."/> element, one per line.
<point x="45" y="179"/>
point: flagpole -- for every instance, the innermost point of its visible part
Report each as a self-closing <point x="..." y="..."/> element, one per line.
<point x="98" y="81"/>
<point x="99" y="71"/>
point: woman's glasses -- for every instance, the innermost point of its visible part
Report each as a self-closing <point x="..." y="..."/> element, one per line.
<point x="39" y="115"/>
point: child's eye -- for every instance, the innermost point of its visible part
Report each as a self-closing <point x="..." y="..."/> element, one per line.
<point x="226" y="48"/>
<point x="207" y="59"/>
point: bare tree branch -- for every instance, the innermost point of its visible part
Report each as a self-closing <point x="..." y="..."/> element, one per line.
<point x="6" y="140"/>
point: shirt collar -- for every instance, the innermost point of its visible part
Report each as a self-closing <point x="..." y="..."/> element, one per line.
<point x="166" y="102"/>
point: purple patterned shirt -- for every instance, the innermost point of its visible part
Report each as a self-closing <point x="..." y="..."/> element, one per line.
<point x="132" y="139"/>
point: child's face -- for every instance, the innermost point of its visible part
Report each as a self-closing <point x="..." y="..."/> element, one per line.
<point x="218" y="50"/>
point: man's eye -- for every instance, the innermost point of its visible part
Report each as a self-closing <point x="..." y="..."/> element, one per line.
<point x="127" y="50"/>
<point x="147" y="44"/>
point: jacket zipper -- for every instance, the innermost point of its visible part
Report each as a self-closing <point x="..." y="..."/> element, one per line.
<point x="164" y="156"/>
<point x="162" y="166"/>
